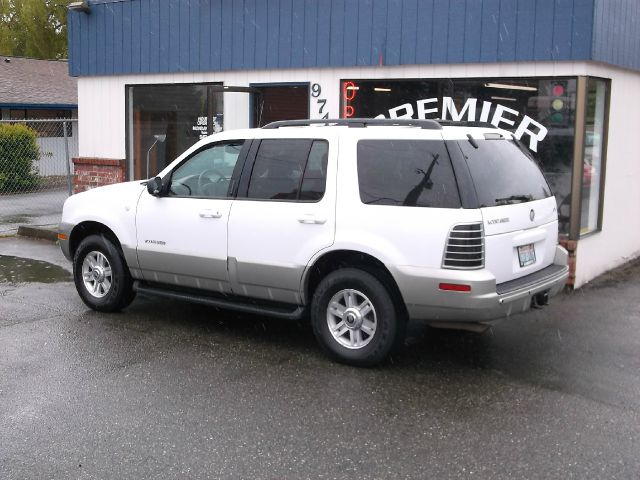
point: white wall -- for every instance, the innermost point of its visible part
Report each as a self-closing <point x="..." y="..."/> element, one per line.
<point x="101" y="100"/>
<point x="102" y="129"/>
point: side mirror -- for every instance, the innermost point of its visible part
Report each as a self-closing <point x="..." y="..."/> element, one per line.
<point x="154" y="186"/>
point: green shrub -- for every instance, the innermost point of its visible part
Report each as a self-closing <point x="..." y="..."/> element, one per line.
<point x="18" y="152"/>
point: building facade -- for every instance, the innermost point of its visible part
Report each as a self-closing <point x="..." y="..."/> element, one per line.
<point x="562" y="75"/>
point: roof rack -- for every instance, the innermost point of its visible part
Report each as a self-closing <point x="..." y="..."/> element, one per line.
<point x="465" y="123"/>
<point x="358" y="123"/>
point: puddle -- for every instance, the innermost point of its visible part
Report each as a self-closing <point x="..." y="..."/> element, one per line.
<point x="17" y="218"/>
<point x="15" y="270"/>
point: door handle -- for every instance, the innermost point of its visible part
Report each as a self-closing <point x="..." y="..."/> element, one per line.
<point x="210" y="214"/>
<point x="312" y="220"/>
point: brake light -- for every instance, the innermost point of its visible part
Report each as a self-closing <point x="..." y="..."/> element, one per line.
<point x="455" y="287"/>
<point x="464" y="249"/>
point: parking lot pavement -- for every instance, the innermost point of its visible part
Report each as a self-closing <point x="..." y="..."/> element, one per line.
<point x="35" y="249"/>
<point x="37" y="208"/>
<point x="173" y="390"/>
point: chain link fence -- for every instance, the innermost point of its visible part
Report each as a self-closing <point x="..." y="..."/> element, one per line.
<point x="36" y="171"/>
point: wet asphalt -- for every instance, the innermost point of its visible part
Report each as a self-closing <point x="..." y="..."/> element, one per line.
<point x="172" y="390"/>
<point x="38" y="208"/>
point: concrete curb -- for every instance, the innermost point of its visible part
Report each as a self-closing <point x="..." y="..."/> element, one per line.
<point x="43" y="233"/>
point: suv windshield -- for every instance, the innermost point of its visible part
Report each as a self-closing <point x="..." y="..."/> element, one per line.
<point x="503" y="173"/>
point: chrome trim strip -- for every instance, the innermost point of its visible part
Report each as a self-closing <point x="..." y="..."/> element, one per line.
<point x="530" y="290"/>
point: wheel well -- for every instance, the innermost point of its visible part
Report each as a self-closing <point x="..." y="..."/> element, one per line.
<point x="337" y="259"/>
<point x="84" y="229"/>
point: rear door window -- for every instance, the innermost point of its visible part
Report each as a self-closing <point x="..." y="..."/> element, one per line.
<point x="289" y="169"/>
<point x="503" y="173"/>
<point x="410" y="173"/>
<point x="315" y="174"/>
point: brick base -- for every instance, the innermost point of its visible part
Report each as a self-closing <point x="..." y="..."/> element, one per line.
<point x="96" y="172"/>
<point x="572" y="248"/>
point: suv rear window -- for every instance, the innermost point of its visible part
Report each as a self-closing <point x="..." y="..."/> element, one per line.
<point x="410" y="173"/>
<point x="503" y="173"/>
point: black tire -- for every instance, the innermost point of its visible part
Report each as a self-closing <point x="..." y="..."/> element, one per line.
<point x="120" y="291"/>
<point x="389" y="323"/>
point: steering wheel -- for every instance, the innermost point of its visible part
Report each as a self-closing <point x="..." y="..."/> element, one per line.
<point x="203" y="178"/>
<point x="184" y="185"/>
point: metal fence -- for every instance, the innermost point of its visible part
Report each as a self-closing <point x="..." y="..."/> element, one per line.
<point x="35" y="180"/>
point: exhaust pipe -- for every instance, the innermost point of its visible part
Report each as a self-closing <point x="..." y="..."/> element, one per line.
<point x="540" y="300"/>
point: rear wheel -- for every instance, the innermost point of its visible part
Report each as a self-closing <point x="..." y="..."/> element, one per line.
<point x="101" y="275"/>
<point x="354" y="317"/>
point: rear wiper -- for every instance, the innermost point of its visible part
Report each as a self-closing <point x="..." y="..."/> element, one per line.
<point x="513" y="199"/>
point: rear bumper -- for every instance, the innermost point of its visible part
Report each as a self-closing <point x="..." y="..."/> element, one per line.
<point x="486" y="301"/>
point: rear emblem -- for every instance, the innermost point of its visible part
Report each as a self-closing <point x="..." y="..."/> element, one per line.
<point x="532" y="215"/>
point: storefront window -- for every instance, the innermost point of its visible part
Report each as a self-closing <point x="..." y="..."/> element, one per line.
<point x="165" y="120"/>
<point x="593" y="154"/>
<point x="539" y="111"/>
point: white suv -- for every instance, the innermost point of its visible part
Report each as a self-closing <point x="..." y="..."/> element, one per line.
<point x="360" y="224"/>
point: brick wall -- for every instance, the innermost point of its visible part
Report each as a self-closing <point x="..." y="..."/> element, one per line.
<point x="572" y="248"/>
<point x="95" y="172"/>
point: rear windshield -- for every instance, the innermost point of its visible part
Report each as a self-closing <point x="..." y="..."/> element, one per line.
<point x="410" y="173"/>
<point x="503" y="174"/>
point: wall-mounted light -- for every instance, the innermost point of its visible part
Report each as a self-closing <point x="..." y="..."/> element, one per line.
<point x="81" y="6"/>
<point x="381" y="89"/>
<point x="506" y="86"/>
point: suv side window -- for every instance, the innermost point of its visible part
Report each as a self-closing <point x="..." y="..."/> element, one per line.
<point x="208" y="172"/>
<point x="289" y="169"/>
<point x="410" y="173"/>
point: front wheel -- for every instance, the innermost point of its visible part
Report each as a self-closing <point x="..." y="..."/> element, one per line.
<point x="101" y="275"/>
<point x="354" y="318"/>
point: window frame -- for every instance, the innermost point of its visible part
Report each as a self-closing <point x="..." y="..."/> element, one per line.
<point x="578" y="158"/>
<point x="130" y="159"/>
<point x="245" y="178"/>
<point x="235" y="176"/>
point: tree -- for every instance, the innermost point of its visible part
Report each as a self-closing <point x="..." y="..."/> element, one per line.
<point x="33" y="28"/>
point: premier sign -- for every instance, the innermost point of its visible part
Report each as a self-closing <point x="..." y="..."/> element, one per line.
<point x="502" y="117"/>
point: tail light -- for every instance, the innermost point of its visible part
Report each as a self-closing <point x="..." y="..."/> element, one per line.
<point x="464" y="249"/>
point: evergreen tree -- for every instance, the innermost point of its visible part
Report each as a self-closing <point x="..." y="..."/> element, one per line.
<point x="33" y="28"/>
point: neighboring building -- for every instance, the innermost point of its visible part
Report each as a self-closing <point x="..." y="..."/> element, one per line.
<point x="564" y="76"/>
<point x="36" y="89"/>
<point x="32" y="89"/>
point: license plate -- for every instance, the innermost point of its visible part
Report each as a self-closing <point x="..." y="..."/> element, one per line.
<point x="526" y="255"/>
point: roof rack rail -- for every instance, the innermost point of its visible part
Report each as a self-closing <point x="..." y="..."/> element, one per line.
<point x="358" y="123"/>
<point x="465" y="123"/>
